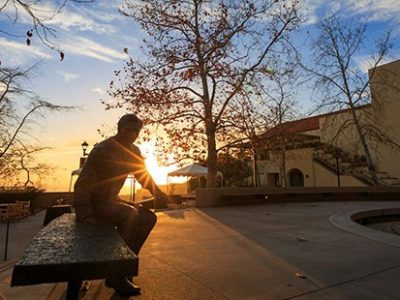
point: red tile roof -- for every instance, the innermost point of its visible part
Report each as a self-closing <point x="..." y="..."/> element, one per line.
<point x="296" y="126"/>
<point x="303" y="125"/>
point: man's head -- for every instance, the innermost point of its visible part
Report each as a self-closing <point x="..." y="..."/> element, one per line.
<point x="130" y="122"/>
<point x="129" y="126"/>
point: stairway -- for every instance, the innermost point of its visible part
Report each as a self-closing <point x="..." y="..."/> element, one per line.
<point x="353" y="165"/>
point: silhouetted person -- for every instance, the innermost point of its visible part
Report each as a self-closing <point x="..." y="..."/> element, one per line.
<point x="98" y="185"/>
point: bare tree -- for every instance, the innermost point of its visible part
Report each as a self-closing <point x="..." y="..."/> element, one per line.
<point x="202" y="60"/>
<point x="281" y="100"/>
<point x="341" y="83"/>
<point x="39" y="15"/>
<point x="20" y="109"/>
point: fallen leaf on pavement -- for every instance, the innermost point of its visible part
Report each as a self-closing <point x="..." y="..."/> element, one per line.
<point x="301" y="275"/>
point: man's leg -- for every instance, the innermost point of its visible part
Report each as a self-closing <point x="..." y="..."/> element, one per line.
<point x="122" y="215"/>
<point x="134" y="223"/>
<point x="137" y="227"/>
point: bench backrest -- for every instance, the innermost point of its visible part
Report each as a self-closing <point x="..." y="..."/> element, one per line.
<point x="4" y="211"/>
<point x="22" y="207"/>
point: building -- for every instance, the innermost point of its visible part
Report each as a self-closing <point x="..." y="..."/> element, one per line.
<point x="325" y="150"/>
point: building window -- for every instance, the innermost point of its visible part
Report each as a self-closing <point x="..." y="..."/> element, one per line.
<point x="296" y="178"/>
<point x="273" y="179"/>
<point x="263" y="155"/>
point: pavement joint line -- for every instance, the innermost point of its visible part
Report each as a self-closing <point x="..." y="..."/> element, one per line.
<point x="344" y="282"/>
<point x="188" y="275"/>
<point x="2" y="296"/>
<point x="99" y="288"/>
<point x="4" y="267"/>
<point x="50" y="295"/>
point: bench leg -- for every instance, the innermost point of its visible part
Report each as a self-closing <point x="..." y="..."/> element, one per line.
<point x="73" y="290"/>
<point x="85" y="285"/>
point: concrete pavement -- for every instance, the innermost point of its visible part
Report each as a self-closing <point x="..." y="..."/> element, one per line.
<point x="270" y="251"/>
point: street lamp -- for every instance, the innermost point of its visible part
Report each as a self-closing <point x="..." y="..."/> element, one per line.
<point x="337" y="155"/>
<point x="82" y="160"/>
<point x="84" y="148"/>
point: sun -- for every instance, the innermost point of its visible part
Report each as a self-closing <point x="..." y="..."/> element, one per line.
<point x="158" y="173"/>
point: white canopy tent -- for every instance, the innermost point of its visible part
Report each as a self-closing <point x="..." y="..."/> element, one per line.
<point x="189" y="171"/>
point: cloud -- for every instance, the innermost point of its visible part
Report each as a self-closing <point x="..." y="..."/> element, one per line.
<point x="97" y="90"/>
<point x="17" y="53"/>
<point x="105" y="12"/>
<point x="83" y="21"/>
<point x="366" y="10"/>
<point x="89" y="48"/>
<point x="374" y="11"/>
<point x="80" y="17"/>
<point x="68" y="77"/>
<point x="366" y="63"/>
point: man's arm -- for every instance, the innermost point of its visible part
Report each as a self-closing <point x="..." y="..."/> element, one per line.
<point x="86" y="184"/>
<point x="146" y="181"/>
<point x="82" y="194"/>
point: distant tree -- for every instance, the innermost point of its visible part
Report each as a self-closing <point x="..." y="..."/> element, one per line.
<point x="280" y="95"/>
<point x="235" y="167"/>
<point x="39" y="13"/>
<point x="341" y="83"/>
<point x="20" y="108"/>
<point x="203" y="60"/>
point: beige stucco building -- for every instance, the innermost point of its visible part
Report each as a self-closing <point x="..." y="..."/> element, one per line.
<point x="324" y="150"/>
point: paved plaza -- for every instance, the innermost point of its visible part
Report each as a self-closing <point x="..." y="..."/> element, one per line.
<point x="271" y="251"/>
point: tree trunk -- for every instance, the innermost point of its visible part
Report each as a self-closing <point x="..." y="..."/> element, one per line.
<point x="255" y="168"/>
<point x="283" y="168"/>
<point x="367" y="153"/>
<point x="209" y="124"/>
<point x="283" y="150"/>
<point x="211" y="159"/>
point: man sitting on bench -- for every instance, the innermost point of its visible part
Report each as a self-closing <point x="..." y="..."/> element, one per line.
<point x="97" y="188"/>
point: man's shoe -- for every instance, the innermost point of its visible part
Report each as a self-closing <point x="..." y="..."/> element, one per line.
<point x="123" y="286"/>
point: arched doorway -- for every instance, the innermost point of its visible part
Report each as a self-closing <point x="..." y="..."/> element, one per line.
<point x="296" y="178"/>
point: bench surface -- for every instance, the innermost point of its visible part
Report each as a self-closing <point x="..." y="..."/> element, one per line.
<point x="66" y="250"/>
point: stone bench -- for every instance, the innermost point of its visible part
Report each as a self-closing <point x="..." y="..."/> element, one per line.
<point x="68" y="251"/>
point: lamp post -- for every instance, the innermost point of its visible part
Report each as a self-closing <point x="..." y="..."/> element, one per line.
<point x="337" y="156"/>
<point x="84" y="156"/>
<point x="84" y="148"/>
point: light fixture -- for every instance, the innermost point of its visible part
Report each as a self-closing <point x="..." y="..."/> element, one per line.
<point x="84" y="147"/>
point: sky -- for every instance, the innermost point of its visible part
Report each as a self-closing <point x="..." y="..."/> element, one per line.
<point x="93" y="37"/>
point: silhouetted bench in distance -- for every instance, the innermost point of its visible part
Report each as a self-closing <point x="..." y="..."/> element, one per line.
<point x="68" y="251"/>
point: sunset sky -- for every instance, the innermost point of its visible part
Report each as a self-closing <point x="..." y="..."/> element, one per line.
<point x="93" y="37"/>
